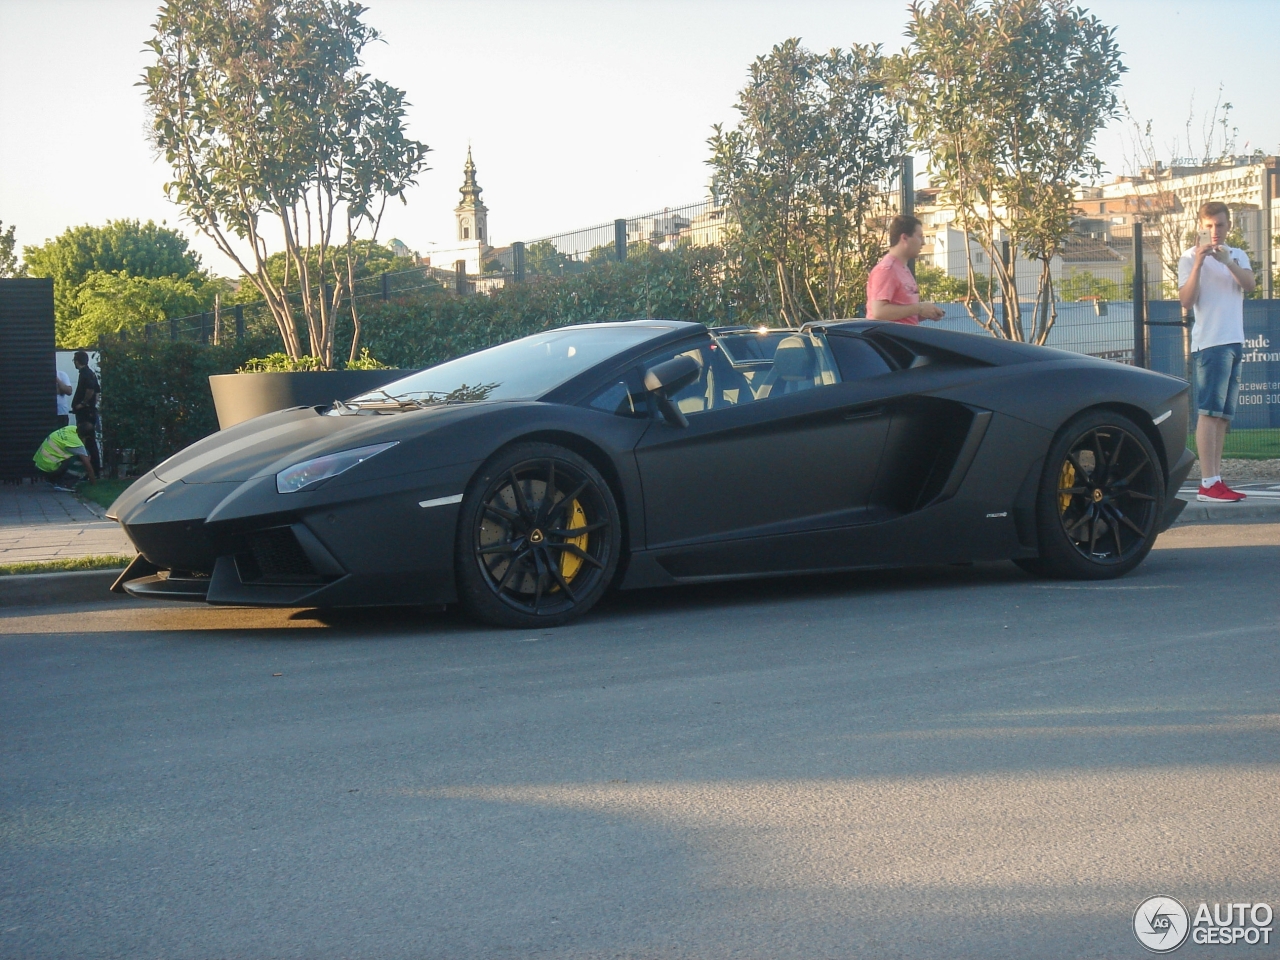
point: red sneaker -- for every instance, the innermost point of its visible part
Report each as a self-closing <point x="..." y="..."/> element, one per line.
<point x="1218" y="493"/>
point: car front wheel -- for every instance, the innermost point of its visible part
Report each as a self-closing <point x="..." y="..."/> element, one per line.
<point x="538" y="538"/>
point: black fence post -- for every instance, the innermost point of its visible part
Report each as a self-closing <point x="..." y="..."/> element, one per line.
<point x="239" y="321"/>
<point x="386" y="286"/>
<point x="517" y="260"/>
<point x="1004" y="297"/>
<point x="620" y="239"/>
<point x="460" y="276"/>
<point x="907" y="195"/>
<point x="1139" y="300"/>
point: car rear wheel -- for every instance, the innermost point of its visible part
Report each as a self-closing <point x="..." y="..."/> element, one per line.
<point x="1100" y="499"/>
<point x="538" y="538"/>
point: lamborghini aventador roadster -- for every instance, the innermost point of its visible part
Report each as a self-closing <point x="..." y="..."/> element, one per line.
<point x="527" y="479"/>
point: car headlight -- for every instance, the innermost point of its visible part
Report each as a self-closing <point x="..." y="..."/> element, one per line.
<point x="302" y="475"/>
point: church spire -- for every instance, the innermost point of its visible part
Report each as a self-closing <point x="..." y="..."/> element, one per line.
<point x="472" y="214"/>
<point x="470" y="190"/>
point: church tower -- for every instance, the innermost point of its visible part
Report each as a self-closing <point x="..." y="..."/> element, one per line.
<point x="472" y="214"/>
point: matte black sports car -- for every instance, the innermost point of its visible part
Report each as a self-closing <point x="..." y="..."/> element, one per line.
<point x="526" y="479"/>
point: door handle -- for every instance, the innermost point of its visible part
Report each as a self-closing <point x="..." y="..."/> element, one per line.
<point x="864" y="413"/>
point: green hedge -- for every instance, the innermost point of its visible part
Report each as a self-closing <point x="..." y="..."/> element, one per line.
<point x="155" y="394"/>
<point x="434" y="325"/>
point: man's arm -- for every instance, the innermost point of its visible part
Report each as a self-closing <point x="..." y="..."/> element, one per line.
<point x="884" y="310"/>
<point x="1189" y="292"/>
<point x="88" y="466"/>
<point x="64" y="387"/>
<point x="1244" y="275"/>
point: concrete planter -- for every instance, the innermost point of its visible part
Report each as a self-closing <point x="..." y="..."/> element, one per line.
<point x="242" y="396"/>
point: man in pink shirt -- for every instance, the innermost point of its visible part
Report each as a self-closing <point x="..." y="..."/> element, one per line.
<point x="892" y="293"/>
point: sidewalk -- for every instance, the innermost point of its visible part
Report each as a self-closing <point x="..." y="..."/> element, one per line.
<point x="1262" y="502"/>
<point x="38" y="523"/>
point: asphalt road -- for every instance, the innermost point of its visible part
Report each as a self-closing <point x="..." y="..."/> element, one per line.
<point x="953" y="762"/>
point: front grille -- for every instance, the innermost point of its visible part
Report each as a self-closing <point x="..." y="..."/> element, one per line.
<point x="275" y="556"/>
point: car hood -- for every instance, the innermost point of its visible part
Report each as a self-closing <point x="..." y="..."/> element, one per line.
<point x="248" y="449"/>
<point x="238" y="452"/>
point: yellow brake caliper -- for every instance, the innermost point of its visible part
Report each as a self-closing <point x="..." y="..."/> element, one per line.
<point x="569" y="564"/>
<point x="1066" y="480"/>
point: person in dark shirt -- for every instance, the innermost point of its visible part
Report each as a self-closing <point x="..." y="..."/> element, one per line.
<point x="84" y="405"/>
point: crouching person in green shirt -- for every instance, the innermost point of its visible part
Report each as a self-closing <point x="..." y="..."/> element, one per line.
<point x="63" y="459"/>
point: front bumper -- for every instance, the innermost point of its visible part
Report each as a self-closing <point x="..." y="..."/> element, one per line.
<point x="249" y="546"/>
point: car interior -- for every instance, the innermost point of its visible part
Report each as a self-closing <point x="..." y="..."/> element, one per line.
<point x="740" y="365"/>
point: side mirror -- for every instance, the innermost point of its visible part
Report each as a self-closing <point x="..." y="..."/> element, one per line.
<point x="668" y="378"/>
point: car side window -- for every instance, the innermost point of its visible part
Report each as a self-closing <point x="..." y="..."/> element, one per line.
<point x="856" y="358"/>
<point x="734" y="368"/>
<point x="718" y="386"/>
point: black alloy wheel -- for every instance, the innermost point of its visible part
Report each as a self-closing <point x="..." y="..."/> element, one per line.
<point x="538" y="538"/>
<point x="1100" y="499"/>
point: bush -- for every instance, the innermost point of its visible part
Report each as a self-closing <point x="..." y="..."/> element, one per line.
<point x="279" y="362"/>
<point x="432" y="325"/>
<point x="155" y="394"/>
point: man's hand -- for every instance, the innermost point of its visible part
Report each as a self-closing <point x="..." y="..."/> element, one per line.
<point x="1202" y="251"/>
<point x="88" y="467"/>
<point x="1220" y="253"/>
<point x="931" y="311"/>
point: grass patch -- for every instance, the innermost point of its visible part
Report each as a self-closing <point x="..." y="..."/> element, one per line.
<point x="103" y="492"/>
<point x="103" y="562"/>
<point x="1248" y="444"/>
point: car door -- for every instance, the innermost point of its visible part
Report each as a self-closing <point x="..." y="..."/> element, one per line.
<point x="764" y="458"/>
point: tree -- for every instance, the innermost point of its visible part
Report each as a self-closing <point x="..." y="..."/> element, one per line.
<point x="1085" y="285"/>
<point x="126" y="250"/>
<point x="801" y="176"/>
<point x="8" y="258"/>
<point x="1008" y="97"/>
<point x="368" y="259"/>
<point x="541" y="258"/>
<point x="938" y="286"/>
<point x="121" y="246"/>
<point x="263" y="112"/>
<point x="109" y="303"/>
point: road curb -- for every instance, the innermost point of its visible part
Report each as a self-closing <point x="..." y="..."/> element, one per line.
<point x="1246" y="511"/>
<point x="72" y="586"/>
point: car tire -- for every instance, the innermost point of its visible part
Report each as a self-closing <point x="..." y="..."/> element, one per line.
<point x="1100" y="499"/>
<point x="520" y="558"/>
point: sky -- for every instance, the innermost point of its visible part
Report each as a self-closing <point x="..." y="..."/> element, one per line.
<point x="577" y="111"/>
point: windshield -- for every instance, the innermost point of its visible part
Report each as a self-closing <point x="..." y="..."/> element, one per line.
<point x="520" y="370"/>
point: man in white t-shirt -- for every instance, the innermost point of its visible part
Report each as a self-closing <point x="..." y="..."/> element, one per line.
<point x="1213" y="279"/>
<point x="65" y="390"/>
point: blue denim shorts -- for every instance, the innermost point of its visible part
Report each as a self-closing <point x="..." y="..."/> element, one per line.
<point x="1218" y="379"/>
